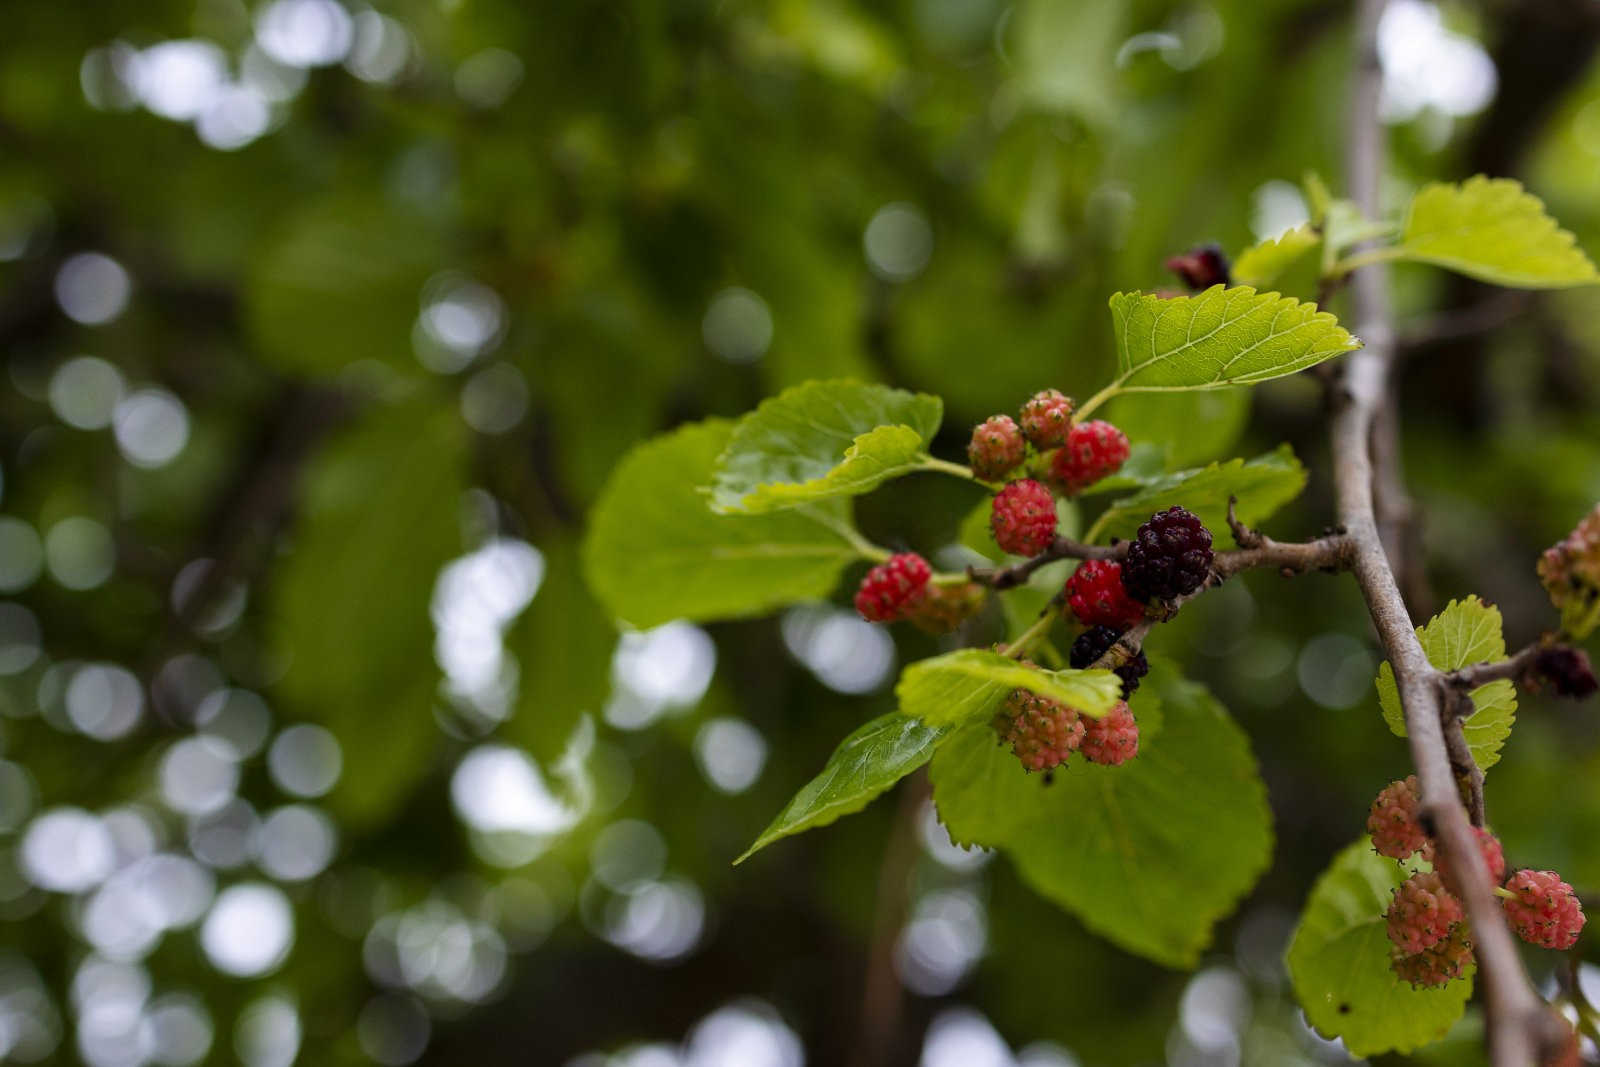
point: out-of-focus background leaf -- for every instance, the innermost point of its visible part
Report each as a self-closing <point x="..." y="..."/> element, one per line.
<point x="323" y="325"/>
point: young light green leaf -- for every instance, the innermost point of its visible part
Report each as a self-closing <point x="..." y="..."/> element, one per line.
<point x="1465" y="632"/>
<point x="1263" y="485"/>
<point x="1339" y="963"/>
<point x="968" y="684"/>
<point x="1218" y="338"/>
<point x="1345" y="225"/>
<point x="820" y="440"/>
<point x="866" y="763"/>
<point x="655" y="552"/>
<point x="1150" y="854"/>
<point x="1317" y="196"/>
<point x="1493" y="230"/>
<point x="1262" y="264"/>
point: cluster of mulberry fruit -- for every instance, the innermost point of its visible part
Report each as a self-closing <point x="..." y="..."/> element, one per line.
<point x="1570" y="573"/>
<point x="1425" y="920"/>
<point x="1072" y="456"/>
<point x="1044" y="733"/>
<point x="1169" y="558"/>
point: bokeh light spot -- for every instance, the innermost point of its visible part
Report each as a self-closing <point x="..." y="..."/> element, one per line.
<point x="486" y="79"/>
<point x="495" y="399"/>
<point x="249" y="930"/>
<point x="104" y="701"/>
<point x="21" y="555"/>
<point x="898" y="242"/>
<point x="235" y="720"/>
<point x="845" y="652"/>
<point x="304" y="33"/>
<point x="1336" y="670"/>
<point x="267" y="1033"/>
<point x="176" y="1031"/>
<point x="296" y="842"/>
<point x="151" y="427"/>
<point x="197" y="777"/>
<point x="67" y="850"/>
<point x="92" y="288"/>
<point x="730" y="753"/>
<point x="305" y="760"/>
<point x="79" y="553"/>
<point x="19" y="635"/>
<point x="84" y="392"/>
<point x="177" y="79"/>
<point x="737" y="327"/>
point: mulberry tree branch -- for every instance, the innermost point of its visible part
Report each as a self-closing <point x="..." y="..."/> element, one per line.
<point x="1328" y="553"/>
<point x="1521" y="1028"/>
<point x="1335" y="552"/>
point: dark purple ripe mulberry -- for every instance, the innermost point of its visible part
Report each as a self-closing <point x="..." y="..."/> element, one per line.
<point x="1094" y="643"/>
<point x="1169" y="558"/>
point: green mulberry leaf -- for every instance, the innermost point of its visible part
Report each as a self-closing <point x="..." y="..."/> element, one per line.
<point x="1339" y="963"/>
<point x="1465" y="632"/>
<point x="821" y="440"/>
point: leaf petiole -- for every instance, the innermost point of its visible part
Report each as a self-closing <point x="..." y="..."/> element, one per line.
<point x="1095" y="401"/>
<point x="1040" y="625"/>
<point x="1365" y="259"/>
<point x="845" y="529"/>
<point x="940" y="466"/>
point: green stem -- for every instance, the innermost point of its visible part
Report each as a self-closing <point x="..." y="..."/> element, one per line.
<point x="933" y="463"/>
<point x="1095" y="401"/>
<point x="1030" y="635"/>
<point x="864" y="548"/>
<point x="1503" y="892"/>
<point x="1365" y="259"/>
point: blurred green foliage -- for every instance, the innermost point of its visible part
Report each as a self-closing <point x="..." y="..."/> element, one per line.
<point x="416" y="293"/>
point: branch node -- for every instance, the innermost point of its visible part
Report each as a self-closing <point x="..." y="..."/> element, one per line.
<point x="1243" y="536"/>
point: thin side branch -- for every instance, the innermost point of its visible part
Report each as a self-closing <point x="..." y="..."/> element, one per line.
<point x="1061" y="548"/>
<point x="1517" y="668"/>
<point x="1335" y="552"/>
<point x="1330" y="553"/>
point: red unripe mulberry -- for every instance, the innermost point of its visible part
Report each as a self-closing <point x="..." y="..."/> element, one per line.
<point x="1544" y="911"/>
<point x="1393" y="823"/>
<point x="893" y="587"/>
<point x="1094" y="450"/>
<point x="996" y="448"/>
<point x="1096" y="596"/>
<point x="1113" y="739"/>
<point x="1421" y="913"/>
<point x="1046" y="418"/>
<point x="1041" y="733"/>
<point x="1024" y="518"/>
<point x="1435" y="966"/>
